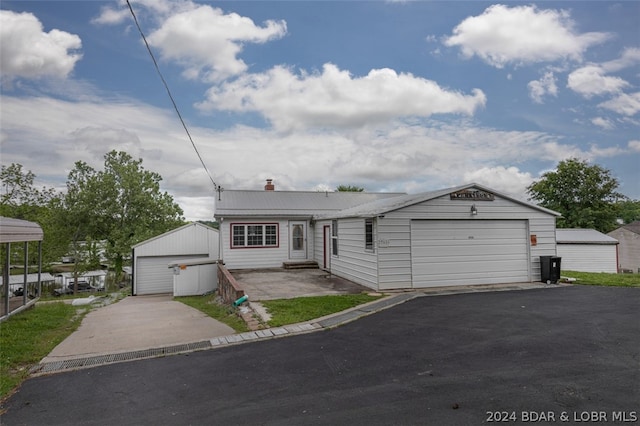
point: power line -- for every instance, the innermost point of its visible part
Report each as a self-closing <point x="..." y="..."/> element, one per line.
<point x="166" y="86"/>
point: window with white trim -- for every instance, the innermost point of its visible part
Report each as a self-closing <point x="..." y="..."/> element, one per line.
<point x="254" y="235"/>
<point x="334" y="237"/>
<point x="368" y="234"/>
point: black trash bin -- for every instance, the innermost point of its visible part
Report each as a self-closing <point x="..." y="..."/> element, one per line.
<point x="550" y="269"/>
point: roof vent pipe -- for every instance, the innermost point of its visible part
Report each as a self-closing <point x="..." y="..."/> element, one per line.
<point x="269" y="186"/>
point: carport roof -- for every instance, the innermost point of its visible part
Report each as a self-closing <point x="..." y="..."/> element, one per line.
<point x="18" y="230"/>
<point x="383" y="206"/>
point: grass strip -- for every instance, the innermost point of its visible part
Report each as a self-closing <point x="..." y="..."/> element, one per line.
<point x="299" y="309"/>
<point x="29" y="336"/>
<point x="210" y="306"/>
<point x="604" y="279"/>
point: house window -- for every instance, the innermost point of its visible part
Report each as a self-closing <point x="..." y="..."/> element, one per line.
<point x="334" y="237"/>
<point x="368" y="234"/>
<point x="254" y="235"/>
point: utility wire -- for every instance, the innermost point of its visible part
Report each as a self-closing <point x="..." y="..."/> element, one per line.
<point x="166" y="86"/>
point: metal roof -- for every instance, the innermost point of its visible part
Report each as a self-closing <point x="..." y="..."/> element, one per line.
<point x="18" y="230"/>
<point x="247" y="203"/>
<point x="379" y="207"/>
<point x="582" y="236"/>
<point x="31" y="278"/>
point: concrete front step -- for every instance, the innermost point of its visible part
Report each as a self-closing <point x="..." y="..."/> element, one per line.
<point x="307" y="264"/>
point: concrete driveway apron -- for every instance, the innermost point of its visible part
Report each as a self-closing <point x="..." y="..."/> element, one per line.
<point x="136" y="323"/>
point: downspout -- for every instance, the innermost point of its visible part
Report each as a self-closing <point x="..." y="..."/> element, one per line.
<point x="133" y="272"/>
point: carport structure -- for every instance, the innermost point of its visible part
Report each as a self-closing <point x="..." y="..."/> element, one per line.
<point x="13" y="231"/>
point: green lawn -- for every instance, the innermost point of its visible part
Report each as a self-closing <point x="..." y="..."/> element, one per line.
<point x="604" y="279"/>
<point x="223" y="313"/>
<point x="29" y="336"/>
<point x="291" y="311"/>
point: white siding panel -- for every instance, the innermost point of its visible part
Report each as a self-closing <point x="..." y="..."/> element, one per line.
<point x="468" y="252"/>
<point x="353" y="261"/>
<point x="588" y="257"/>
<point x="153" y="274"/>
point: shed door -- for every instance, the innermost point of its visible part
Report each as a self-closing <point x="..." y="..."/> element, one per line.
<point x="153" y="276"/>
<point x="468" y="252"/>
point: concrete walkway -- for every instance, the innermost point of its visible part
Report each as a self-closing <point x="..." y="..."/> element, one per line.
<point x="137" y="323"/>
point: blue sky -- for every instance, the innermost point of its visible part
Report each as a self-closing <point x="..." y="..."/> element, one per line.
<point x="390" y="96"/>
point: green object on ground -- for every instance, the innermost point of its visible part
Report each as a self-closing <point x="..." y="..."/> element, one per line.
<point x="223" y="313"/>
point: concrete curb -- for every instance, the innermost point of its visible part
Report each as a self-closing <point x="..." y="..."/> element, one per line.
<point x="323" y="323"/>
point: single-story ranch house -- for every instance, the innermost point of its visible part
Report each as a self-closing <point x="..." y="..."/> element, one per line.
<point x="465" y="235"/>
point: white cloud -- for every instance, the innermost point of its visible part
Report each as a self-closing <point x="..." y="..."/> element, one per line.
<point x="521" y="35"/>
<point x="634" y="146"/>
<point x="27" y="51"/>
<point x="334" y="98"/>
<point x="206" y="41"/>
<point x="605" y="123"/>
<point x="591" y="80"/>
<point x="506" y="179"/>
<point x="545" y="86"/>
<point x="48" y="136"/>
<point x="624" y="104"/>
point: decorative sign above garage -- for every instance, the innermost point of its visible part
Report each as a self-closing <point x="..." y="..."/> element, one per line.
<point x="472" y="194"/>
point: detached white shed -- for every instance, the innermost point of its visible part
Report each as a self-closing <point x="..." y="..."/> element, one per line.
<point x="586" y="250"/>
<point x="151" y="258"/>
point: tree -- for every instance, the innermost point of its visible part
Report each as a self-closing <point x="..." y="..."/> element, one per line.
<point x="349" y="188"/>
<point x="629" y="210"/>
<point x="121" y="204"/>
<point x="20" y="199"/>
<point x="584" y="194"/>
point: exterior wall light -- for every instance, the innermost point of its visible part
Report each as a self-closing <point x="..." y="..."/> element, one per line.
<point x="474" y="210"/>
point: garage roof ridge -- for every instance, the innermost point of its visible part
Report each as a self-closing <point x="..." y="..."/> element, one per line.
<point x="173" y="231"/>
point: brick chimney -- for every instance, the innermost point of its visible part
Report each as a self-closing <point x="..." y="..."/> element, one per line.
<point x="269" y="186"/>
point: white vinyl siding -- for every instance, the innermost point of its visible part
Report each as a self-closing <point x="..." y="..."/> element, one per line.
<point x="256" y="257"/>
<point x="354" y="262"/>
<point x="394" y="260"/>
<point x="588" y="257"/>
<point x="151" y="257"/>
<point x="154" y="274"/>
<point x="468" y="252"/>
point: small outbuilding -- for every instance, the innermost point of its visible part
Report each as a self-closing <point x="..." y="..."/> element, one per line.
<point x="586" y="250"/>
<point x="628" y="237"/>
<point x="151" y="259"/>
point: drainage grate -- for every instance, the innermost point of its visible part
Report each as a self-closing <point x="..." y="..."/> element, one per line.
<point x="94" y="361"/>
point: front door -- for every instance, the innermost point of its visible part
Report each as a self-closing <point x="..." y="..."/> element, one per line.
<point x="297" y="240"/>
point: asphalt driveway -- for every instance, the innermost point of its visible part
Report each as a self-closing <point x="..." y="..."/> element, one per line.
<point x="567" y="353"/>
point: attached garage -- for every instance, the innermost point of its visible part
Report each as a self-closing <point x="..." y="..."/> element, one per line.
<point x="468" y="252"/>
<point x="151" y="258"/>
<point x="467" y="235"/>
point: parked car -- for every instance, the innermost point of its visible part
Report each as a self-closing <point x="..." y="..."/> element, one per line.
<point x="83" y="287"/>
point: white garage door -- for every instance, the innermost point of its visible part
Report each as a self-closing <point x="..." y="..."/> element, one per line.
<point x="153" y="276"/>
<point x="468" y="252"/>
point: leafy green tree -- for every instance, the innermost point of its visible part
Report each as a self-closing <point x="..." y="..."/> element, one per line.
<point x="20" y="199"/>
<point x="585" y="195"/>
<point x="629" y="210"/>
<point x="122" y="204"/>
<point x="349" y="188"/>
